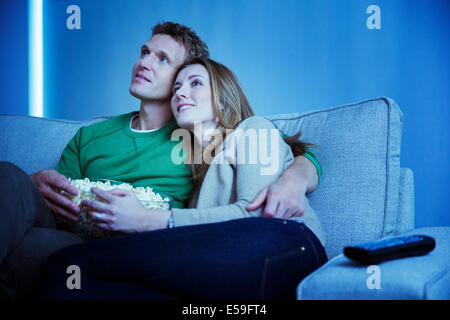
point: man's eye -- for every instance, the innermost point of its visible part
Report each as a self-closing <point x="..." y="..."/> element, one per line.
<point x="144" y="52"/>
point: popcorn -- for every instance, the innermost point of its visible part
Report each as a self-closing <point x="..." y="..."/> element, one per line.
<point x="85" y="226"/>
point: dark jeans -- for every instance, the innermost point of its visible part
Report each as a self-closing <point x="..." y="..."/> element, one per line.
<point x="28" y="234"/>
<point x="251" y="258"/>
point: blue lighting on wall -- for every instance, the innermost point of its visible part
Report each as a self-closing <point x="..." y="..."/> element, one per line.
<point x="35" y="59"/>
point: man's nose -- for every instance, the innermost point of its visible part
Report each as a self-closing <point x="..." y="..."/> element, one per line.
<point x="148" y="61"/>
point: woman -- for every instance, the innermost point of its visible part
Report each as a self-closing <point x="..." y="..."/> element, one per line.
<point x="215" y="249"/>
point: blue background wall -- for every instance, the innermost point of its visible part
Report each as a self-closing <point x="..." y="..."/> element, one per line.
<point x="14" y="56"/>
<point x="290" y="56"/>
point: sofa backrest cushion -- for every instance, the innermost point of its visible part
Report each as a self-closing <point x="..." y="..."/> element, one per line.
<point x="357" y="198"/>
<point x="34" y="143"/>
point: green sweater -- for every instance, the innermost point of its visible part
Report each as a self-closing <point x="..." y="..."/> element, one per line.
<point x="111" y="150"/>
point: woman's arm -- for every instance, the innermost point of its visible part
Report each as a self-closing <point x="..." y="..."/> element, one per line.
<point x="123" y="211"/>
<point x="249" y="177"/>
<point x="283" y="197"/>
<point x="120" y="210"/>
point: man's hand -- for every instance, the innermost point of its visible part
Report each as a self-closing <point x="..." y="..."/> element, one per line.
<point x="285" y="198"/>
<point x="48" y="183"/>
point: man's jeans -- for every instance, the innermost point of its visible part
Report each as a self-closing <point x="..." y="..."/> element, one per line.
<point x="251" y="258"/>
<point x="28" y="234"/>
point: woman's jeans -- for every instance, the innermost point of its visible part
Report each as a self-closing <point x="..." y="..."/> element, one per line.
<point x="251" y="258"/>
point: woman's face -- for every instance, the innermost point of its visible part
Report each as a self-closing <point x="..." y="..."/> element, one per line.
<point x="192" y="99"/>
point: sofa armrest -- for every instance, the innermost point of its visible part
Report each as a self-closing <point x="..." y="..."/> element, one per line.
<point x="405" y="213"/>
<point x="420" y="277"/>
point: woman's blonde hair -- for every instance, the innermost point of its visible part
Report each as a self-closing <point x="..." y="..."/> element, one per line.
<point x="231" y="107"/>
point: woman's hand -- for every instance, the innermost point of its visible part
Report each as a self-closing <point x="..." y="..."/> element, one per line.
<point x="122" y="211"/>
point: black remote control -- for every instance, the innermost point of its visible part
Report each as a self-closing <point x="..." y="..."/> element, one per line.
<point x="392" y="248"/>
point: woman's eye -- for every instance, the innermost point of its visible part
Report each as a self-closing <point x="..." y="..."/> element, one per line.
<point x="164" y="59"/>
<point x="196" y="83"/>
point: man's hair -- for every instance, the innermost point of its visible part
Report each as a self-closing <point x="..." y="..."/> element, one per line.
<point x="195" y="47"/>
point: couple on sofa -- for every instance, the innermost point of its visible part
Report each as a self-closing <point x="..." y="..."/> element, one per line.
<point x="227" y="244"/>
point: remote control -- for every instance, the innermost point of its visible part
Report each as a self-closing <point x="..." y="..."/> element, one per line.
<point x="392" y="248"/>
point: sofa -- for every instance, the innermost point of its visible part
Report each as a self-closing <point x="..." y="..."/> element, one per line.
<point x="364" y="195"/>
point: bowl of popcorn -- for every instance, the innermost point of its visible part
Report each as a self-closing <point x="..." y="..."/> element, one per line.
<point x="85" y="226"/>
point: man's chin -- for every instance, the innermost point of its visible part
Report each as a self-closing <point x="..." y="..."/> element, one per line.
<point x="146" y="97"/>
<point x="135" y="93"/>
<point x="140" y="95"/>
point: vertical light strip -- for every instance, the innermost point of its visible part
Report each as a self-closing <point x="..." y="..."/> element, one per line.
<point x="35" y="59"/>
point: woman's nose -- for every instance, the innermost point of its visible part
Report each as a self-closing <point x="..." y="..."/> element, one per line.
<point x="181" y="93"/>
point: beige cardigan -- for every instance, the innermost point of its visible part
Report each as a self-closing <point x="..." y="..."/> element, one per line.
<point x="234" y="177"/>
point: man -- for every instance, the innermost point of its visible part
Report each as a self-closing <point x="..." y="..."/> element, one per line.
<point x="134" y="148"/>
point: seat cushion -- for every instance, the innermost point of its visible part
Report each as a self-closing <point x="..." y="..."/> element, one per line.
<point x="357" y="198"/>
<point x="419" y="277"/>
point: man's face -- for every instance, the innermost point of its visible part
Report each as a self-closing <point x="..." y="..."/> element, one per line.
<point x="154" y="71"/>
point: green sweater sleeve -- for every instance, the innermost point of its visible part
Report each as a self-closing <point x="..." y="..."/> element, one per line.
<point x="311" y="157"/>
<point x="69" y="163"/>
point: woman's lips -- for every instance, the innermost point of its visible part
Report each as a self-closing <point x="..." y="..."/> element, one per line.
<point x="184" y="106"/>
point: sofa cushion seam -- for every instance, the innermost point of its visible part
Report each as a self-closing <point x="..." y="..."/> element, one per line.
<point x="331" y="109"/>
<point x="388" y="151"/>
<point x="56" y="120"/>
<point x="433" y="280"/>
